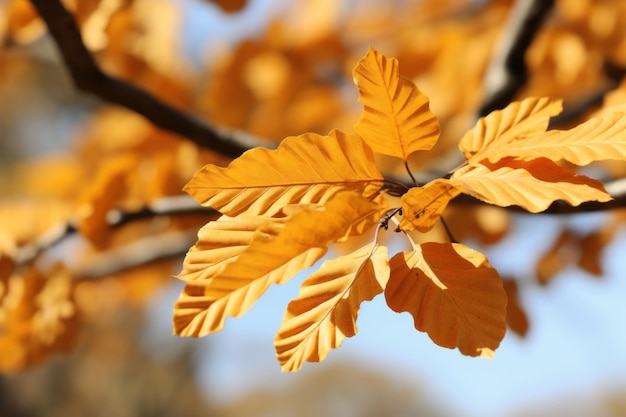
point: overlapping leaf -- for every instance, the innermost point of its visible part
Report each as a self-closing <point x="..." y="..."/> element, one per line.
<point x="278" y="249"/>
<point x="500" y="128"/>
<point x="306" y="169"/>
<point x="452" y="293"/>
<point x="219" y="242"/>
<point x="422" y="207"/>
<point x="326" y="309"/>
<point x="396" y="119"/>
<point x="597" y="139"/>
<point x="532" y="185"/>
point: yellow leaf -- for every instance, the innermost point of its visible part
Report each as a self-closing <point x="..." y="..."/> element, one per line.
<point x="533" y="185"/>
<point x="305" y="169"/>
<point x="493" y="134"/>
<point x="278" y="249"/>
<point x="38" y="318"/>
<point x="396" y="117"/>
<point x="452" y="293"/>
<point x="326" y="309"/>
<point x="422" y="207"/>
<point x="219" y="242"/>
<point x="105" y="193"/>
<point x="597" y="139"/>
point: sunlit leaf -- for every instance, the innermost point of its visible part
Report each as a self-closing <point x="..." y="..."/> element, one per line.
<point x="452" y="293"/>
<point x="219" y="242"/>
<point x="326" y="309"/>
<point x="304" y="169"/>
<point x="279" y="248"/>
<point x="597" y="139"/>
<point x="396" y="118"/>
<point x="532" y="185"/>
<point x="422" y="207"/>
<point x="494" y="133"/>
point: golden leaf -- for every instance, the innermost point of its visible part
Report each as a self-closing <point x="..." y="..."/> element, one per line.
<point x="452" y="293"/>
<point x="109" y="188"/>
<point x="219" y="242"/>
<point x="422" y="207"/>
<point x="37" y="318"/>
<point x="396" y="117"/>
<point x="597" y="139"/>
<point x="533" y="185"/>
<point x="494" y="134"/>
<point x="326" y="309"/>
<point x="306" y="169"/>
<point x="279" y="248"/>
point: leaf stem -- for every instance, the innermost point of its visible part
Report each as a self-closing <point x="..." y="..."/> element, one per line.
<point x="448" y="232"/>
<point x="406" y="165"/>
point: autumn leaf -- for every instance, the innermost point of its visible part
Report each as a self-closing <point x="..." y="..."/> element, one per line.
<point x="230" y="6"/>
<point x="516" y="318"/>
<point x="306" y="169"/>
<point x="598" y="139"/>
<point x="326" y="309"/>
<point x="38" y="317"/>
<point x="532" y="185"/>
<point x="494" y="134"/>
<point x="277" y="250"/>
<point x="219" y="242"/>
<point x="396" y="118"/>
<point x="452" y="293"/>
<point x="110" y="186"/>
<point x="422" y="206"/>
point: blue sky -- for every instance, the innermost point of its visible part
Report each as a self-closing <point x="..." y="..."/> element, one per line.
<point x="575" y="347"/>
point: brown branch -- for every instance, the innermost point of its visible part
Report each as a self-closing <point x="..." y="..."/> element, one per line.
<point x="88" y="77"/>
<point x="507" y="72"/>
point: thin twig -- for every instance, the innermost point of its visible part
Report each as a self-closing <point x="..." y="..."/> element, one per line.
<point x="88" y="77"/>
<point x="166" y="206"/>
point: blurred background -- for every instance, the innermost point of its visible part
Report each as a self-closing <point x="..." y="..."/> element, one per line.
<point x="83" y="333"/>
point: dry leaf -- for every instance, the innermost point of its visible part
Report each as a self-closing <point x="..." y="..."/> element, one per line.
<point x="452" y="293"/>
<point x="396" y="118"/>
<point x="279" y="248"/>
<point x="37" y="318"/>
<point x="305" y="169"/>
<point x="598" y="139"/>
<point x="501" y="128"/>
<point x="532" y="185"/>
<point x="516" y="317"/>
<point x="326" y="309"/>
<point x="422" y="207"/>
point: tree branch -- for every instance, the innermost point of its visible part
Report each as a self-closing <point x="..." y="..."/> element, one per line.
<point x="88" y="77"/>
<point x="507" y="71"/>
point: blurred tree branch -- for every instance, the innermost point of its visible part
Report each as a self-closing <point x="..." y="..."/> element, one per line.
<point x="507" y="71"/>
<point x="88" y="77"/>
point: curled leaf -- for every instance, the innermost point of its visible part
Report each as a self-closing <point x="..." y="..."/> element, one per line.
<point x="422" y="207"/>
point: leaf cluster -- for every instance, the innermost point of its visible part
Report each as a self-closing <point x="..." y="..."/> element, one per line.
<point x="281" y="209"/>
